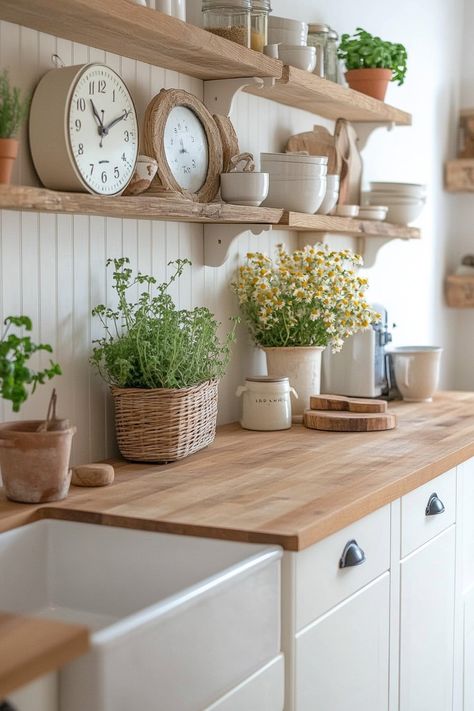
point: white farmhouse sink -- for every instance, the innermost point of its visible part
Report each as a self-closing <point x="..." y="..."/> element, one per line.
<point x="177" y="621"/>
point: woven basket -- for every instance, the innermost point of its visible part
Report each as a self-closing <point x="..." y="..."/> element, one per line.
<point x="163" y="425"/>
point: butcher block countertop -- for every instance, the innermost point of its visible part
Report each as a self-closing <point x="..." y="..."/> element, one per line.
<point x="292" y="487"/>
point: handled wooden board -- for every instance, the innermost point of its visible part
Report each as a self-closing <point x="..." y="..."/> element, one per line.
<point x="318" y="142"/>
<point x="340" y="402"/>
<point x="331" y="421"/>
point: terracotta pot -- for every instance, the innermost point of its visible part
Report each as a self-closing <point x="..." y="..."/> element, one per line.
<point x="8" y="154"/>
<point x="372" y="82"/>
<point x="35" y="465"/>
<point x="302" y="366"/>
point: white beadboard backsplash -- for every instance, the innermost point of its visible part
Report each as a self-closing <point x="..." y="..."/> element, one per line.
<point x="53" y="267"/>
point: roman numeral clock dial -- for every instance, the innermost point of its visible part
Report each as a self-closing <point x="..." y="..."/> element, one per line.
<point x="98" y="149"/>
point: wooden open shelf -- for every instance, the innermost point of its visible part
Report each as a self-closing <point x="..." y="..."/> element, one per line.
<point x="459" y="291"/>
<point x="299" y="222"/>
<point x="303" y="90"/>
<point x="459" y="175"/>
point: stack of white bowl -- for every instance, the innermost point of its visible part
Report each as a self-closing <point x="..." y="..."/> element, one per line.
<point x="287" y="41"/>
<point x="297" y="181"/>
<point x="405" y="201"/>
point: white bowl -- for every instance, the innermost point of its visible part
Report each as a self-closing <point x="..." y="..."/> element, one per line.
<point x="331" y="196"/>
<point x="332" y="181"/>
<point x="287" y="37"/>
<point x="244" y="188"/>
<point x="285" y="23"/>
<point x="294" y="158"/>
<point x="408" y="189"/>
<point x="403" y="214"/>
<point x="296" y="195"/>
<point x="299" y="57"/>
<point x="391" y="198"/>
<point x="373" y="212"/>
<point x="271" y="50"/>
<point x="347" y="210"/>
<point x="294" y="170"/>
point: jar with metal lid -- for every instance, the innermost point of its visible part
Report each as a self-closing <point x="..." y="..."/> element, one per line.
<point x="266" y="403"/>
<point x="332" y="62"/>
<point x="259" y="24"/>
<point x="229" y="19"/>
<point x="318" y="37"/>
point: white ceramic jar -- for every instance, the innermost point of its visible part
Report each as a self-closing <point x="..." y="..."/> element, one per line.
<point x="266" y="403"/>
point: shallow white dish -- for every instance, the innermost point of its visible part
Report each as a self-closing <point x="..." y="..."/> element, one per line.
<point x="294" y="170"/>
<point x="393" y="199"/>
<point x="297" y="56"/>
<point x="298" y="195"/>
<point x="175" y="620"/>
<point x="244" y="188"/>
<point x="373" y="212"/>
<point x="294" y="158"/>
<point x="346" y="210"/>
<point x="408" y="189"/>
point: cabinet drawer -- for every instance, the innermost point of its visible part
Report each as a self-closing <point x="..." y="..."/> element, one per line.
<point x="417" y="526"/>
<point x="321" y="583"/>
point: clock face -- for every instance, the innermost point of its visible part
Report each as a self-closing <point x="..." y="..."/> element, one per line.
<point x="186" y="148"/>
<point x="103" y="130"/>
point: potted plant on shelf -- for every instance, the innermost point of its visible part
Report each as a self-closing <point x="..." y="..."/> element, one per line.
<point x="163" y="365"/>
<point x="34" y="454"/>
<point x="13" y="111"/>
<point x="371" y="63"/>
<point x="298" y="304"/>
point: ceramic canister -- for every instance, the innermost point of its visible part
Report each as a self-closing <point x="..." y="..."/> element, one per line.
<point x="266" y="403"/>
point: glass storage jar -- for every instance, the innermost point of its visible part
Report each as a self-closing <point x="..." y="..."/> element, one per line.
<point x="332" y="62"/>
<point x="266" y="403"/>
<point x="318" y="37"/>
<point x="259" y="24"/>
<point x="229" y="19"/>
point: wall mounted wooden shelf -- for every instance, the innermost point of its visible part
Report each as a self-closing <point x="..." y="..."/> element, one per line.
<point x="459" y="290"/>
<point x="300" y="222"/>
<point x="307" y="91"/>
<point x="459" y="175"/>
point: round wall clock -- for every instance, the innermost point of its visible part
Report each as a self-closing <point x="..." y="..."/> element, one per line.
<point x="180" y="133"/>
<point x="84" y="130"/>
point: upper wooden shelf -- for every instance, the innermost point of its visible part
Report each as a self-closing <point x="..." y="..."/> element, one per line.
<point x="307" y="91"/>
<point x="141" y="33"/>
<point x="459" y="175"/>
<point x="299" y="222"/>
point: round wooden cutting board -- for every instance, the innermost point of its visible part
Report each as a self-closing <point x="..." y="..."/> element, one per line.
<point x="333" y="421"/>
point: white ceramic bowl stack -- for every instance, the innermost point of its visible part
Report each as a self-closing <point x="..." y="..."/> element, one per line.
<point x="297" y="181"/>
<point x="331" y="195"/>
<point x="404" y="201"/>
<point x="282" y="30"/>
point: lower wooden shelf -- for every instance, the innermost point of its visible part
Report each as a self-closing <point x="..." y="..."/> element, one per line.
<point x="299" y="222"/>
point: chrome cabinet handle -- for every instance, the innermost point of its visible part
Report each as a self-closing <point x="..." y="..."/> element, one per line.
<point x="351" y="555"/>
<point x="434" y="506"/>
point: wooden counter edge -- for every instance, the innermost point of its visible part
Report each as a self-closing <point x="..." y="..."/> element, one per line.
<point x="31" y="647"/>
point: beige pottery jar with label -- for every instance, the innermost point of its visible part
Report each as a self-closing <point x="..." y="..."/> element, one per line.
<point x="302" y="365"/>
<point x="266" y="403"/>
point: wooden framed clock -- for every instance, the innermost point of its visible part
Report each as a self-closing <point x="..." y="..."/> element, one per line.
<point x="180" y="133"/>
<point x="84" y="130"/>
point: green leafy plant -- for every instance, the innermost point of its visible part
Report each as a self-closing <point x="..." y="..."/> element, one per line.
<point x="364" y="51"/>
<point x="15" y="352"/>
<point x="150" y="343"/>
<point x="13" y="108"/>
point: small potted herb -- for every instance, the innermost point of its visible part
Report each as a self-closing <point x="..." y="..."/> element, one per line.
<point x="34" y="454"/>
<point x="13" y="111"/>
<point x="163" y="365"/>
<point x="371" y="63"/>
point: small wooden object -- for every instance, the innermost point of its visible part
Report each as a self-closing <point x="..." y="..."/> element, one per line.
<point x="230" y="142"/>
<point x="93" y="475"/>
<point x="459" y="175"/>
<point x="351" y="163"/>
<point x="343" y="421"/>
<point x="340" y="402"/>
<point x="466" y="126"/>
<point x="459" y="290"/>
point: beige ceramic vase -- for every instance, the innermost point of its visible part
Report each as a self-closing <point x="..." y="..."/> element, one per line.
<point x="35" y="465"/>
<point x="302" y="366"/>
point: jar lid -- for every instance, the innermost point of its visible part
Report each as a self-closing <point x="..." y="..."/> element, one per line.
<point x="266" y="379"/>
<point x="333" y="35"/>
<point x="261" y="5"/>
<point x="315" y="28"/>
<point x="232" y="4"/>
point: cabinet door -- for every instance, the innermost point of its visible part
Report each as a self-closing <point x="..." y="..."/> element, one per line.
<point x="342" y="658"/>
<point x="427" y="626"/>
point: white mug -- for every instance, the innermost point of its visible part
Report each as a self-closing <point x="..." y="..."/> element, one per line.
<point x="417" y="371"/>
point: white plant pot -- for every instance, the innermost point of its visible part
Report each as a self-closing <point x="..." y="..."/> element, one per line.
<point x="302" y="365"/>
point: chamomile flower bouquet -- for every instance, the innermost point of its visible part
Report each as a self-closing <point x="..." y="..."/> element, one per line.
<point x="311" y="297"/>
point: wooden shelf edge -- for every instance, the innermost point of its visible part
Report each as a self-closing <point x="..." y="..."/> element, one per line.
<point x="459" y="175"/>
<point x="303" y="90"/>
<point x="141" y="33"/>
<point x="142" y="207"/>
<point x="300" y="222"/>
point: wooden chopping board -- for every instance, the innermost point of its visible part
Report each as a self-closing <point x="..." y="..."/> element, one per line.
<point x="335" y="413"/>
<point x="318" y="142"/>
<point x="348" y="156"/>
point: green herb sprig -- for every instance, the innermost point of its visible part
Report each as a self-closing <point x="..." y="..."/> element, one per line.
<point x="365" y="51"/>
<point x="13" y="107"/>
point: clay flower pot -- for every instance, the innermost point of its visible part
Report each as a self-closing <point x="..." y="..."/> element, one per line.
<point x="372" y="82"/>
<point x="8" y="154"/>
<point x="35" y="465"/>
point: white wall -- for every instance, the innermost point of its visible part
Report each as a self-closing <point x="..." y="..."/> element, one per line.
<point x="52" y="268"/>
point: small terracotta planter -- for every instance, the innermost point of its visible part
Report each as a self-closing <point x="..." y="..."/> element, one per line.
<point x="35" y="465"/>
<point x="372" y="82"/>
<point x="8" y="154"/>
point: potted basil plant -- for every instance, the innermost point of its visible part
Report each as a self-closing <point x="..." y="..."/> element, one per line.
<point x="13" y="112"/>
<point x="163" y="365"/>
<point x="371" y="62"/>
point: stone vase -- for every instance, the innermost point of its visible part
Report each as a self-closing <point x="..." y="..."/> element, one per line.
<point x="302" y="366"/>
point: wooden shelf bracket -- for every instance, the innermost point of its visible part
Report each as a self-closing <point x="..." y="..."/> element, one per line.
<point x="219" y="94"/>
<point x="218" y="240"/>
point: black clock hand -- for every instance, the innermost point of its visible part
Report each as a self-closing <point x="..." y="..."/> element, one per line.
<point x="101" y="128"/>
<point x="182" y="149"/>
<point x="117" y="120"/>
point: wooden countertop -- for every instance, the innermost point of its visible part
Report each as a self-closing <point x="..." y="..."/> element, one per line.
<point x="292" y="488"/>
<point x="31" y="647"/>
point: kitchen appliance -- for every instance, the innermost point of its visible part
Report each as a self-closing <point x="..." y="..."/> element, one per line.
<point x="360" y="368"/>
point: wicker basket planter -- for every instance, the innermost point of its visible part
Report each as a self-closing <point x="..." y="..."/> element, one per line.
<point x="161" y="425"/>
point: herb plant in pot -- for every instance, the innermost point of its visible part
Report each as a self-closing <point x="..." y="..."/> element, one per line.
<point x="298" y="304"/>
<point x="34" y="454"/>
<point x="13" y="111"/>
<point x="372" y="63"/>
<point x="163" y="365"/>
